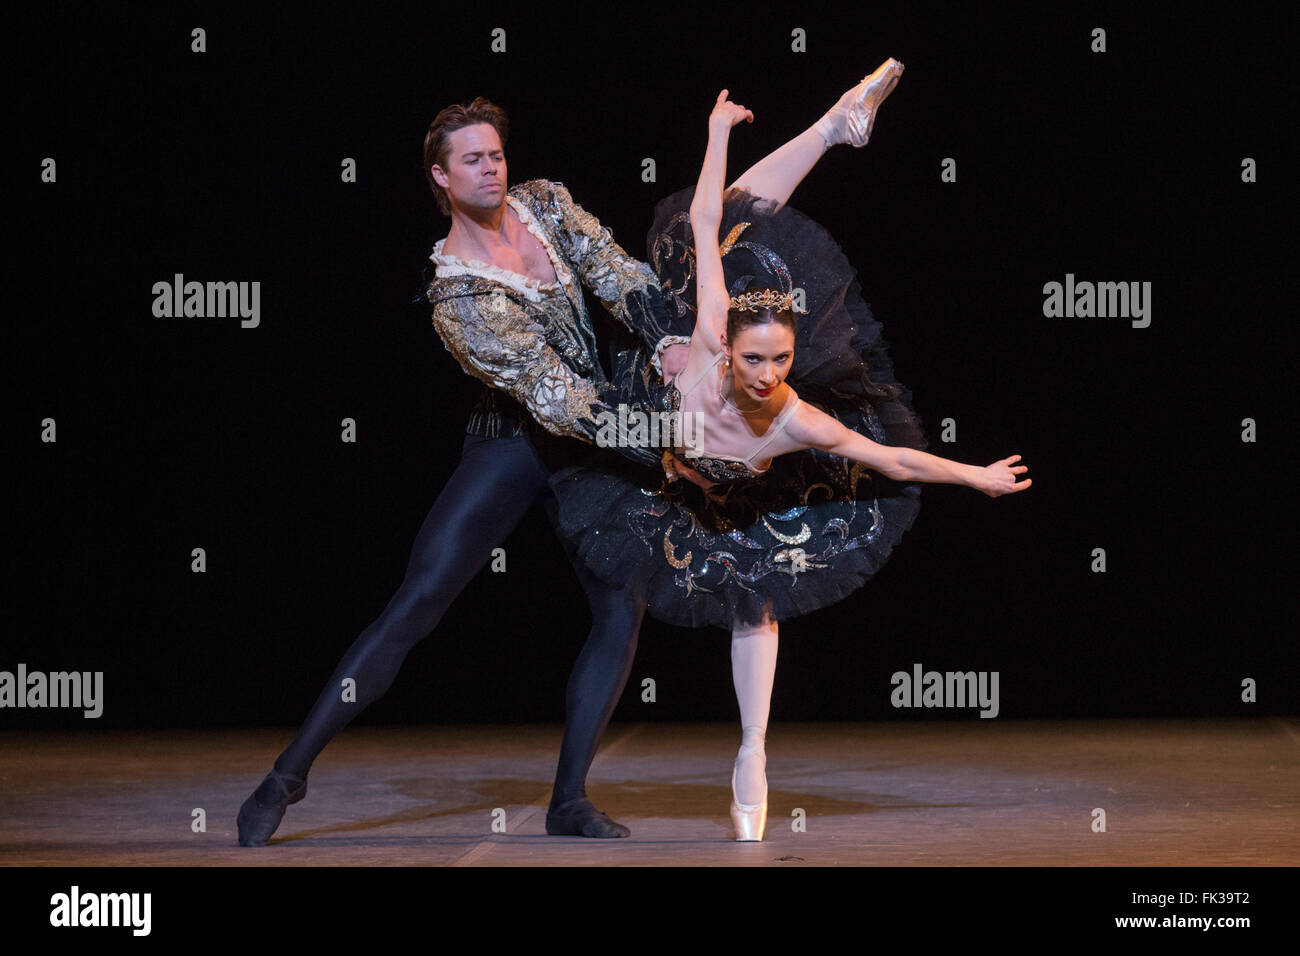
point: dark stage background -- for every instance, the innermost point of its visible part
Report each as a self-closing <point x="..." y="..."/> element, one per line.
<point x="225" y="166"/>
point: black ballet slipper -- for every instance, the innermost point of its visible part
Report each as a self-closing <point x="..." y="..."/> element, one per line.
<point x="580" y="818"/>
<point x="262" y="812"/>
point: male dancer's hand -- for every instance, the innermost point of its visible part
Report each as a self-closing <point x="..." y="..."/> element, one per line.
<point x="684" y="470"/>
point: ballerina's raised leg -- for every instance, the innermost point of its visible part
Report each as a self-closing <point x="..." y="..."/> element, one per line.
<point x="850" y="120"/>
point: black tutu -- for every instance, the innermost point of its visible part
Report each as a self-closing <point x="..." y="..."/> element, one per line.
<point x="815" y="527"/>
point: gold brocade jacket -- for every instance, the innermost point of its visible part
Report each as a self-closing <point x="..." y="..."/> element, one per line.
<point x="534" y="341"/>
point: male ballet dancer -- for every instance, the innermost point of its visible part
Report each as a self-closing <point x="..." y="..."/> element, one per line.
<point x="508" y="304"/>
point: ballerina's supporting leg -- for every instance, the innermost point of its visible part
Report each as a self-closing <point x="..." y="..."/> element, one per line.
<point x="753" y="672"/>
<point x="850" y="120"/>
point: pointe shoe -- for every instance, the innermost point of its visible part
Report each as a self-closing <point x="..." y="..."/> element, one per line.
<point x="750" y="820"/>
<point x="850" y="120"/>
<point x="258" y="820"/>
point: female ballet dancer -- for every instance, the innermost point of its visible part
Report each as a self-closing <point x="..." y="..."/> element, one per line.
<point x="784" y="528"/>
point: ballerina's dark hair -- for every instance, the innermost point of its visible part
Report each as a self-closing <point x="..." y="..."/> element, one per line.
<point x="739" y="319"/>
<point x="438" y="139"/>
<point x="762" y="313"/>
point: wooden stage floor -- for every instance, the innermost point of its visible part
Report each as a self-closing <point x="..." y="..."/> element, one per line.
<point x="1195" y="792"/>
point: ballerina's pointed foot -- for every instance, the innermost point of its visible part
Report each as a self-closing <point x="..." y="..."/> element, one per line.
<point x="580" y="818"/>
<point x="851" y="119"/>
<point x="262" y="812"/>
<point x="750" y="820"/>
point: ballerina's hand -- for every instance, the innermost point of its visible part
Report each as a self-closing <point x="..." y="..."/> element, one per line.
<point x="999" y="478"/>
<point x="727" y="114"/>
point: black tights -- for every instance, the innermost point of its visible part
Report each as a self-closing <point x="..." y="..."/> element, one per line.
<point x="497" y="480"/>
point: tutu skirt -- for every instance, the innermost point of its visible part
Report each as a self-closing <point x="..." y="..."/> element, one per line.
<point x="813" y="528"/>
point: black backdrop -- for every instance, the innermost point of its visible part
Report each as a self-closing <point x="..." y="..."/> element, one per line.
<point x="225" y="165"/>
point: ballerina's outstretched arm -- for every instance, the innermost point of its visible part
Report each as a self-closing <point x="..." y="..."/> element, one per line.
<point x="810" y="427"/>
<point x="711" y="297"/>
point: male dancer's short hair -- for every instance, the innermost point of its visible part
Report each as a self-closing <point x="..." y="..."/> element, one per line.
<point x="455" y="117"/>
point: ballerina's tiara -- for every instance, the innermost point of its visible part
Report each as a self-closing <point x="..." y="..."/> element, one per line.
<point x="767" y="299"/>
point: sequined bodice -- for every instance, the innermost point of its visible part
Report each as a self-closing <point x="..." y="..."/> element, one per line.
<point x="724" y="468"/>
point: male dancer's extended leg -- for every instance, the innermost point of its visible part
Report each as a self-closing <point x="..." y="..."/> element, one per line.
<point x="597" y="682"/>
<point x="496" y="482"/>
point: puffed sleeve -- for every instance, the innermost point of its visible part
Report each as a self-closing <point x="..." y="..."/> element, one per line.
<point x="495" y="340"/>
<point x="627" y="287"/>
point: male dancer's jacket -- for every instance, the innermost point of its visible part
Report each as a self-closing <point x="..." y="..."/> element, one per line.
<point x="539" y="349"/>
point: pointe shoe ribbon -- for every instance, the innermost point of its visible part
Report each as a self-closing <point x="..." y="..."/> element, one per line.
<point x="750" y="820"/>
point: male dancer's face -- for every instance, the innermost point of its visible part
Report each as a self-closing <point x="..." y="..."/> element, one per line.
<point x="475" y="173"/>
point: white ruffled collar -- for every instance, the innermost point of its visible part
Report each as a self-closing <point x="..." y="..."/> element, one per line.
<point x="533" y="289"/>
